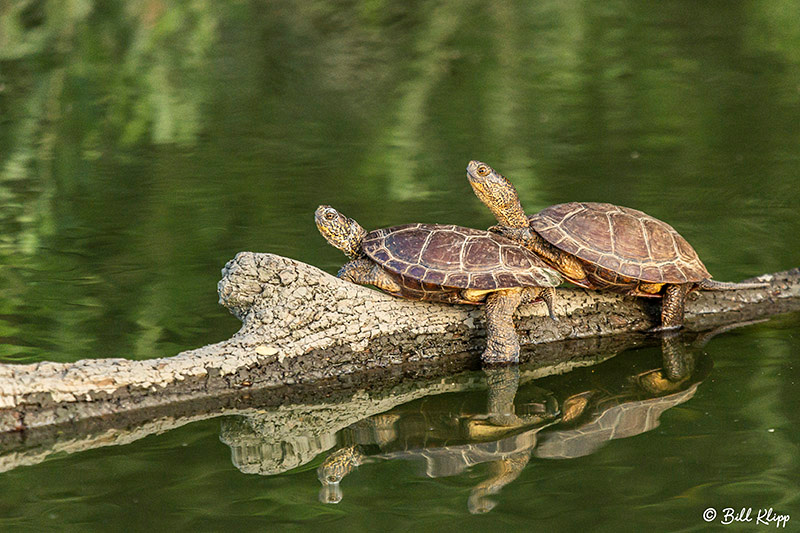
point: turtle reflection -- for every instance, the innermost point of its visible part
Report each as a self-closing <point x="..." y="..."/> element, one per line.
<point x="504" y="427"/>
<point x="443" y="443"/>
<point x="560" y="423"/>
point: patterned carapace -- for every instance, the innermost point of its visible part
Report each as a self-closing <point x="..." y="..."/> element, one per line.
<point x="428" y="258"/>
<point x="623" y="245"/>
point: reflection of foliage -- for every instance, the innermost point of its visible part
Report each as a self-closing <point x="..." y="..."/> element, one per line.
<point x="143" y="143"/>
<point x="81" y="81"/>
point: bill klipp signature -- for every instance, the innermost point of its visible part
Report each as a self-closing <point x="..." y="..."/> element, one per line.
<point x="764" y="517"/>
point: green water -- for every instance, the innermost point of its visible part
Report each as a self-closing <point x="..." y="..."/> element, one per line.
<point x="143" y="144"/>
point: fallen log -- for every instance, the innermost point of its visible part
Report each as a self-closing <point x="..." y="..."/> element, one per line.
<point x="302" y="325"/>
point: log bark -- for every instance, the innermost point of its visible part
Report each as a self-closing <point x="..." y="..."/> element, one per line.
<point x="302" y="325"/>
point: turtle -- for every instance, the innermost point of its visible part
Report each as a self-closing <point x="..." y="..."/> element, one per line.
<point x="602" y="246"/>
<point x="446" y="263"/>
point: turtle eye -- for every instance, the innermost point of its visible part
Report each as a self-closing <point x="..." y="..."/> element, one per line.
<point x="329" y="215"/>
<point x="483" y="170"/>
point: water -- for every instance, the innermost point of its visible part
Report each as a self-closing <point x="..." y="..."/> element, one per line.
<point x="142" y="147"/>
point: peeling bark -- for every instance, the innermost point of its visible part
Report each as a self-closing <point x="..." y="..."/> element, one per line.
<point x="301" y="325"/>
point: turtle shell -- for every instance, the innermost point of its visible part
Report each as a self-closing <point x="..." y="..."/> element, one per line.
<point x="433" y="257"/>
<point x="622" y="240"/>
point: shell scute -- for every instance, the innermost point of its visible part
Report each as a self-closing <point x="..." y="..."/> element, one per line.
<point x="412" y="283"/>
<point x="443" y="249"/>
<point x="685" y="249"/>
<point x="515" y="257"/>
<point x="396" y="266"/>
<point x="631" y="270"/>
<point x="662" y="245"/>
<point x="415" y="271"/>
<point x="507" y="279"/>
<point x="457" y="280"/>
<point x="612" y="262"/>
<point x="672" y="272"/>
<point x="381" y="255"/>
<point x="481" y="253"/>
<point x="651" y="272"/>
<point x="406" y="244"/>
<point x="589" y="254"/>
<point x="434" y="277"/>
<point x="483" y="283"/>
<point x="590" y="228"/>
<point x="628" y="237"/>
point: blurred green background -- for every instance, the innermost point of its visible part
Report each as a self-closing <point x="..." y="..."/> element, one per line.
<point x="143" y="144"/>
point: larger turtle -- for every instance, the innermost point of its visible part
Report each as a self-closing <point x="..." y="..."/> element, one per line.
<point x="449" y="264"/>
<point x="602" y="246"/>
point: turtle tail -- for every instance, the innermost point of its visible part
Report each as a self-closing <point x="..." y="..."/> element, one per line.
<point x="712" y="285"/>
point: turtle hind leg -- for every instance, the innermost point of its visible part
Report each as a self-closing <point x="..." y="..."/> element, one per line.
<point x="672" y="306"/>
<point x="502" y="343"/>
<point x="364" y="271"/>
<point x="546" y="294"/>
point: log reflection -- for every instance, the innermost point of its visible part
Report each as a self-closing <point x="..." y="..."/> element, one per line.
<point x="516" y="420"/>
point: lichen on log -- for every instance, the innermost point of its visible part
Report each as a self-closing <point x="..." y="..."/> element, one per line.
<point x="301" y="325"/>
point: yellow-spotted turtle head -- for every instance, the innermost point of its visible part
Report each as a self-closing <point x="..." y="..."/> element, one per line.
<point x="499" y="195"/>
<point x="340" y="231"/>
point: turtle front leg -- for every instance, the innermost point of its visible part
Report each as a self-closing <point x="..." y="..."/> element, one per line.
<point x="364" y="271"/>
<point x="502" y="342"/>
<point x="672" y="306"/>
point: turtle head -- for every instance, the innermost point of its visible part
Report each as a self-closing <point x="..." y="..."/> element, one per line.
<point x="499" y="195"/>
<point x="333" y="469"/>
<point x="341" y="232"/>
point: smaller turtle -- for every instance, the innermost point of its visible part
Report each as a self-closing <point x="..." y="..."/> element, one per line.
<point x="446" y="263"/>
<point x="602" y="246"/>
